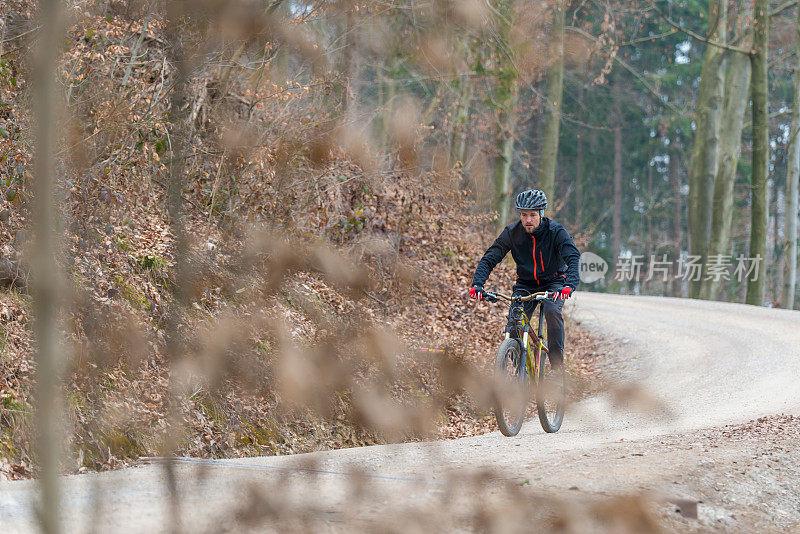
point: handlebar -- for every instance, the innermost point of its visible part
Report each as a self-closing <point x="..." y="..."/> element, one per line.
<point x="493" y="296"/>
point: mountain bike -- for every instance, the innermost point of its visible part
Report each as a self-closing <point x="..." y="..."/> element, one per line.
<point x="522" y="368"/>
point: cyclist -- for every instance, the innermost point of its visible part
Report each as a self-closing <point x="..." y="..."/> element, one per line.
<point x="547" y="260"/>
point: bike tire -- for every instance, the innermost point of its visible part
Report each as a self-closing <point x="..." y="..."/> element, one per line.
<point x="509" y="411"/>
<point x="551" y="396"/>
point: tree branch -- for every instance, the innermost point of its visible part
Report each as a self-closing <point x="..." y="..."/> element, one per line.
<point x="782" y="7"/>
<point x="661" y="98"/>
<point x="271" y="9"/>
<point x="649" y="38"/>
<point x="697" y="36"/>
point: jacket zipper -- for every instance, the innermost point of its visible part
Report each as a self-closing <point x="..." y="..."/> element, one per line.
<point x="534" y="259"/>
<point x="540" y="259"/>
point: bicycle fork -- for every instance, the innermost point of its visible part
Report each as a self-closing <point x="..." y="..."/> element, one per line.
<point x="530" y="351"/>
<point x="524" y="339"/>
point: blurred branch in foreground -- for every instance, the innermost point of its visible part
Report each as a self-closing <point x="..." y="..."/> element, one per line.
<point x="46" y="277"/>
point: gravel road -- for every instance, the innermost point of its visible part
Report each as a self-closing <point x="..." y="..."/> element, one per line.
<point x="695" y="419"/>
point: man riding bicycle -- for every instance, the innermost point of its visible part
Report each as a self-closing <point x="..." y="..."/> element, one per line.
<point x="547" y="260"/>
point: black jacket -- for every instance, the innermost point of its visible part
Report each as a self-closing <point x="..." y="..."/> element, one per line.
<point x="546" y="258"/>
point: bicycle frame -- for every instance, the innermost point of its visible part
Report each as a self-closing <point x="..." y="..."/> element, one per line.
<point x="532" y="343"/>
<point x="531" y="340"/>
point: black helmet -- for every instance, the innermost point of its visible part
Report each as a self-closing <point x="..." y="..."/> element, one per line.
<point x="532" y="199"/>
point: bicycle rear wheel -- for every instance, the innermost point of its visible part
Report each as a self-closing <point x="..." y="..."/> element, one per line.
<point x="511" y="382"/>
<point x="551" y="394"/>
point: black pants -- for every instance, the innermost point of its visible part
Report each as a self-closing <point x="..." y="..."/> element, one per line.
<point x="553" y="319"/>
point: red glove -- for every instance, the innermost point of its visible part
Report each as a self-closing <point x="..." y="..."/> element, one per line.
<point x="477" y="293"/>
<point x="563" y="294"/>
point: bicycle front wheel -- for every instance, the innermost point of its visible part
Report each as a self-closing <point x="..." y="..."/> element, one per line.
<point x="511" y="387"/>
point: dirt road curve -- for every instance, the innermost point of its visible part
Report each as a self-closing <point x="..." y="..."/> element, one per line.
<point x="699" y="365"/>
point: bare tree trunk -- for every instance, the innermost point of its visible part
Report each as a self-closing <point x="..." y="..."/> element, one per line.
<point x="2" y="36"/>
<point x="793" y="172"/>
<point x="503" y="159"/>
<point x="677" y="215"/>
<point x="790" y="246"/>
<point x="773" y="248"/>
<point x="505" y="95"/>
<point x="177" y="126"/>
<point x="617" y="229"/>
<point x="387" y="94"/>
<point x="178" y="136"/>
<point x="139" y="41"/>
<point x="555" y="95"/>
<point x="458" y="150"/>
<point x="433" y="104"/>
<point x="648" y="224"/>
<point x="45" y="285"/>
<point x="736" y="97"/>
<point x="227" y="70"/>
<point x="348" y="64"/>
<point x="579" y="169"/>
<point x="758" y="189"/>
<point x="705" y="152"/>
